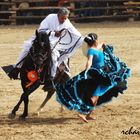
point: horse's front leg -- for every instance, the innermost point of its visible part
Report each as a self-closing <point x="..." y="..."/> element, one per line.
<point x="49" y="95"/>
<point x="26" y="99"/>
<point x="25" y="112"/>
<point x="12" y="115"/>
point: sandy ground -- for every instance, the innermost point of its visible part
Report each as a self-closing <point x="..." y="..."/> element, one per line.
<point x="121" y="114"/>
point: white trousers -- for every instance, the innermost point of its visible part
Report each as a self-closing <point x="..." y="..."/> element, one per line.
<point x="26" y="47"/>
<point x="55" y="56"/>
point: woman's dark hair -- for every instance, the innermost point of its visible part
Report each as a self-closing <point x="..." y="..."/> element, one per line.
<point x="91" y="38"/>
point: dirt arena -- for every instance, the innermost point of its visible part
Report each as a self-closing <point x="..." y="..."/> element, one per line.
<point x="122" y="114"/>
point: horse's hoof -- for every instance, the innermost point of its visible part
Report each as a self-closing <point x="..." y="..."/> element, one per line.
<point x="62" y="109"/>
<point x="22" y="118"/>
<point x="11" y="116"/>
<point x="36" y="113"/>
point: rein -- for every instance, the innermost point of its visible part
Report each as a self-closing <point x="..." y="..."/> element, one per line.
<point x="66" y="31"/>
<point x="60" y="38"/>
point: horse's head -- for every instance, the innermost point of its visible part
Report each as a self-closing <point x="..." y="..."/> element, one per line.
<point x="40" y="50"/>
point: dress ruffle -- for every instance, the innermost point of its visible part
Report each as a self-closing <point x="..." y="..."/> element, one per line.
<point x="106" y="82"/>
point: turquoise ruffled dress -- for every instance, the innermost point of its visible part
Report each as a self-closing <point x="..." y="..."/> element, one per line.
<point x="107" y="78"/>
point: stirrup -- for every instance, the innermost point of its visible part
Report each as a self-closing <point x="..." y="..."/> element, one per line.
<point x="13" y="74"/>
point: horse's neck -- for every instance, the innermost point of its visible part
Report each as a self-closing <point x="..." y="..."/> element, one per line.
<point x="28" y="63"/>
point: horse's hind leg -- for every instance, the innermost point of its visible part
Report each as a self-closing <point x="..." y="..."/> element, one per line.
<point x="62" y="108"/>
<point x="49" y="95"/>
<point x="13" y="113"/>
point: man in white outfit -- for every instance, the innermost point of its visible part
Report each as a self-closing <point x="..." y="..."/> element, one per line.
<point x="53" y="24"/>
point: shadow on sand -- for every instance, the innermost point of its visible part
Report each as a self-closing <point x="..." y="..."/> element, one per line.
<point x="4" y="120"/>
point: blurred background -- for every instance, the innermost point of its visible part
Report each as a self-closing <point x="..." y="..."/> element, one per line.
<point x="21" y="12"/>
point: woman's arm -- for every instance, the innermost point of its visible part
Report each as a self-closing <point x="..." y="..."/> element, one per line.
<point x="89" y="62"/>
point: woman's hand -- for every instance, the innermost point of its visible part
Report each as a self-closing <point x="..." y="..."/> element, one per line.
<point x="100" y="45"/>
<point x="103" y="46"/>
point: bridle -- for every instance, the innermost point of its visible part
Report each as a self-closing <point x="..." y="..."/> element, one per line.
<point x="37" y="54"/>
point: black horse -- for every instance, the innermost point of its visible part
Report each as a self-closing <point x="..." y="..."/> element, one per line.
<point x="34" y="72"/>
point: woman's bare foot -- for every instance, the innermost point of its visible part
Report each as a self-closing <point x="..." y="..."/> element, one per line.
<point x="90" y="118"/>
<point x="83" y="117"/>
